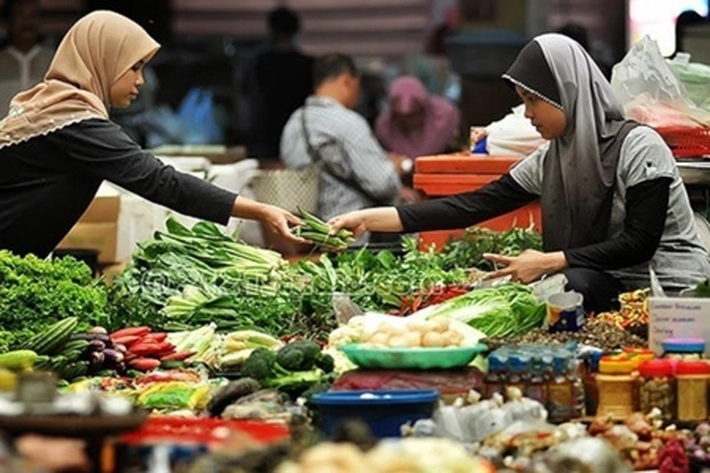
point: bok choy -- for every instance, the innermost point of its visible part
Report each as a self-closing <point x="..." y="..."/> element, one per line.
<point x="508" y="310"/>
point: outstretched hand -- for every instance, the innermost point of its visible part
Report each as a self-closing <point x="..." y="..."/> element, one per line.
<point x="353" y="221"/>
<point x="528" y="267"/>
<point x="280" y="222"/>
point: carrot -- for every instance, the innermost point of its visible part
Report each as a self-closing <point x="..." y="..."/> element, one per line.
<point x="144" y="349"/>
<point x="144" y="364"/>
<point x="135" y="331"/>
<point x="126" y="339"/>
<point x="178" y="356"/>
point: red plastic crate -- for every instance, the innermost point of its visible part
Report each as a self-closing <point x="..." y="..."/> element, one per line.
<point x="686" y="142"/>
<point x="443" y="175"/>
<point x="204" y="431"/>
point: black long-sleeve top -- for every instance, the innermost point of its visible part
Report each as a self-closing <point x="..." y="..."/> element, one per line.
<point x="646" y="206"/>
<point x="47" y="183"/>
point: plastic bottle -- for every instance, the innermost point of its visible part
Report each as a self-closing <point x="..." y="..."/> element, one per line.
<point x="495" y="379"/>
<point x="537" y="385"/>
<point x="560" y="397"/>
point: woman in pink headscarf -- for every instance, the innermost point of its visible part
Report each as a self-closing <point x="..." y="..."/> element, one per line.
<point x="416" y="123"/>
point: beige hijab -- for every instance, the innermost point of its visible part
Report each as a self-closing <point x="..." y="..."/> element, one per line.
<point x="93" y="55"/>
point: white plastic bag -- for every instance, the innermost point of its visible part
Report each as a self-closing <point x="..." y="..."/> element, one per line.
<point x="650" y="91"/>
<point x="513" y="135"/>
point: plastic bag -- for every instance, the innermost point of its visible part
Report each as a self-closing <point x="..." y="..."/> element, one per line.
<point x="695" y="77"/>
<point x="651" y="93"/>
<point x="513" y="135"/>
<point x="198" y="115"/>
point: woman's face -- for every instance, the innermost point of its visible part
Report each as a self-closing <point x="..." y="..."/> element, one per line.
<point x="409" y="120"/>
<point x="125" y="90"/>
<point x="549" y="120"/>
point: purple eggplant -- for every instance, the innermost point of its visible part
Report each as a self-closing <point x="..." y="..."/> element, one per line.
<point x="96" y="361"/>
<point x="114" y="356"/>
<point x="92" y="336"/>
<point x="96" y="345"/>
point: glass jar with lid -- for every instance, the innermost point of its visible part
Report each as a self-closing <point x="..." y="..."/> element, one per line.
<point x="657" y="387"/>
<point x="616" y="384"/>
<point x="692" y="389"/>
<point x="683" y="348"/>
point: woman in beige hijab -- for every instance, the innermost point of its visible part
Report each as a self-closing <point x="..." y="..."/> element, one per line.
<point x="57" y="144"/>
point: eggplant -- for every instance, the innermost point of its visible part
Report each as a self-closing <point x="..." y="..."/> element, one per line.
<point x="114" y="356"/>
<point x="96" y="345"/>
<point x="92" y="336"/>
<point x="120" y="348"/>
<point x="96" y="361"/>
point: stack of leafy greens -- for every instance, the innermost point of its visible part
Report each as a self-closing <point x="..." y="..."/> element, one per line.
<point x="185" y="278"/>
<point x="36" y="293"/>
<point x="509" y="310"/>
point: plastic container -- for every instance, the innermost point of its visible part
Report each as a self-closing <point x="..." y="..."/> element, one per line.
<point x="617" y="386"/>
<point x="560" y="391"/>
<point x="683" y="348"/>
<point x="686" y="142"/>
<point x="692" y="389"/>
<point x="411" y="358"/>
<point x="639" y="355"/>
<point x="383" y="411"/>
<point x="447" y="174"/>
<point x="657" y="387"/>
<point x="496" y="378"/>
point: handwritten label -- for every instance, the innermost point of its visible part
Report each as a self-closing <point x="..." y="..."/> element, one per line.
<point x="684" y="317"/>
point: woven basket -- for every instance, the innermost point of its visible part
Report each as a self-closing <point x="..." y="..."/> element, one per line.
<point x="289" y="189"/>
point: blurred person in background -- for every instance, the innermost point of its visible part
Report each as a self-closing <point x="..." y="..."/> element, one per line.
<point x="357" y="173"/>
<point x="598" y="51"/>
<point x="417" y="123"/>
<point x="684" y="20"/>
<point x="23" y="59"/>
<point x="282" y="78"/>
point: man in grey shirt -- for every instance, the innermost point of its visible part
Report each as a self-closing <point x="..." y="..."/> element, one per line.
<point x="356" y="172"/>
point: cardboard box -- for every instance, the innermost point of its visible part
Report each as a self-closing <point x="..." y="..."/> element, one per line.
<point x="678" y="317"/>
<point x="103" y="209"/>
<point x="101" y="237"/>
<point x="97" y="228"/>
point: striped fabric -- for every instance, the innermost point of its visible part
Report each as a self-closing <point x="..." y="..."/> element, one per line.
<point x="346" y="142"/>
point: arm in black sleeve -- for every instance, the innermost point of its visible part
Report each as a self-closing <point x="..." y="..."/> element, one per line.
<point x="646" y="208"/>
<point x="101" y="149"/>
<point x="463" y="210"/>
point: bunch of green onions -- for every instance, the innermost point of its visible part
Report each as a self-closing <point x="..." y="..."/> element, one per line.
<point x="317" y="231"/>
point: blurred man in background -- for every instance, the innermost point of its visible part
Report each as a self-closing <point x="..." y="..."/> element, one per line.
<point x="282" y="79"/>
<point x="23" y="59"/>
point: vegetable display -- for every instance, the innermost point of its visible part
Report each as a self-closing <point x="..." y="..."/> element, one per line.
<point x="36" y="293"/>
<point x="505" y="311"/>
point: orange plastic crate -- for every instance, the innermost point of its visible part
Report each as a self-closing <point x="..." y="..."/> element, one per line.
<point x="439" y="176"/>
<point x="686" y="142"/>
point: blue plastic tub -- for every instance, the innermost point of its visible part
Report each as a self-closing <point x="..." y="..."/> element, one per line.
<point x="383" y="411"/>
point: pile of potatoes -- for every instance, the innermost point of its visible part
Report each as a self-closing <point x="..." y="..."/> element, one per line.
<point x="435" y="333"/>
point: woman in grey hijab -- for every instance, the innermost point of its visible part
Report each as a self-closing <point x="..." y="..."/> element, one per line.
<point x="612" y="200"/>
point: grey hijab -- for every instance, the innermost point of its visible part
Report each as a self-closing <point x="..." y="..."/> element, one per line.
<point x="580" y="166"/>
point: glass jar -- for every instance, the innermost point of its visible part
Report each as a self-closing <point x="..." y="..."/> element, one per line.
<point x="657" y="388"/>
<point x="616" y="384"/>
<point x="692" y="390"/>
<point x="683" y="348"/>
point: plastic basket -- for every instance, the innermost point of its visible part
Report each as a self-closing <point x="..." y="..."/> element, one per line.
<point x="383" y="411"/>
<point x="203" y="431"/>
<point x="686" y="142"/>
